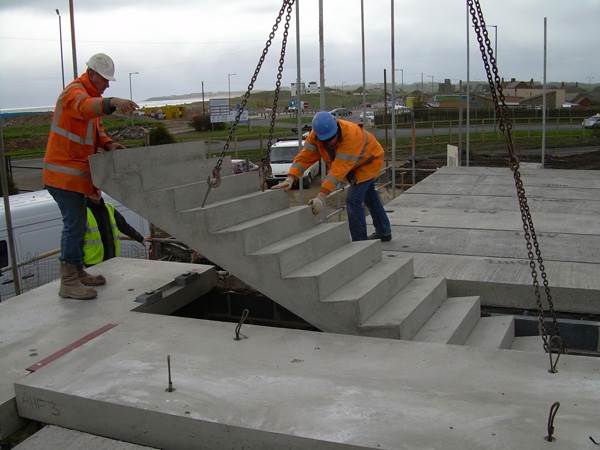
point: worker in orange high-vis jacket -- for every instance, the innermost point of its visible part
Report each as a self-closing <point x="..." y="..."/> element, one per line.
<point x="75" y="134"/>
<point x="353" y="154"/>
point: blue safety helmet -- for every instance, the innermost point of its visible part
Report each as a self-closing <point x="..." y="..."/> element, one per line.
<point x="324" y="125"/>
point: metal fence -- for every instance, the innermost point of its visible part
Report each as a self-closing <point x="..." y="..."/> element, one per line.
<point x="38" y="270"/>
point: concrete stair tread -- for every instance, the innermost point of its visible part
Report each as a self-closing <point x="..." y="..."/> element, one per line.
<point x="262" y="220"/>
<point x="332" y="259"/>
<point x="528" y="344"/>
<point x="230" y="201"/>
<point x="452" y="322"/>
<point x="493" y="332"/>
<point x="401" y="306"/>
<point x="361" y="285"/>
<point x="299" y="238"/>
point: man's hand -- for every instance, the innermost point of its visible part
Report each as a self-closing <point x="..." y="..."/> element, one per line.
<point x="287" y="184"/>
<point x="123" y="105"/>
<point x="113" y="146"/>
<point x="317" y="203"/>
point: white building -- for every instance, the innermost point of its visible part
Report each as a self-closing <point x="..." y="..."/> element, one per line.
<point x="313" y="88"/>
<point x="302" y="89"/>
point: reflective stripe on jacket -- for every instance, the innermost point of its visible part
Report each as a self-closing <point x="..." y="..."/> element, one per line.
<point x="75" y="133"/>
<point x="93" y="250"/>
<point x="358" y="157"/>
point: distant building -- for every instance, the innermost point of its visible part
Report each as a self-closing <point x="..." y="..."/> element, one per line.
<point x="294" y="89"/>
<point x="445" y="87"/>
<point x="313" y="88"/>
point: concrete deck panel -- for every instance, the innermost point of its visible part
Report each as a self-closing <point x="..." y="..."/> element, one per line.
<point x="38" y="323"/>
<point x="294" y="389"/>
<point x="56" y="438"/>
<point x="463" y="223"/>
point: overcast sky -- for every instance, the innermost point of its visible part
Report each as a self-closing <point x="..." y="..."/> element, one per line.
<point x="179" y="43"/>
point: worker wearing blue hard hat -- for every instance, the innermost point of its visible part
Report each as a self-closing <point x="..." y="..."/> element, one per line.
<point x="351" y="153"/>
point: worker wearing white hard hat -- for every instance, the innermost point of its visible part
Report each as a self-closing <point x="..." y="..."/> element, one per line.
<point x="77" y="133"/>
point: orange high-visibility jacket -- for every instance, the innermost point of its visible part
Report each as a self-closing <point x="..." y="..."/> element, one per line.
<point x="358" y="157"/>
<point x="75" y="133"/>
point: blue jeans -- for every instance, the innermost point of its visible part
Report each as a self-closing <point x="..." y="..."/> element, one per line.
<point x="72" y="209"/>
<point x="365" y="193"/>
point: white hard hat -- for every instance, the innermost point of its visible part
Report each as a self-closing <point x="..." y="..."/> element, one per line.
<point x="102" y="64"/>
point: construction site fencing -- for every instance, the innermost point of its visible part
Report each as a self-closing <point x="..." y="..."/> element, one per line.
<point x="39" y="269"/>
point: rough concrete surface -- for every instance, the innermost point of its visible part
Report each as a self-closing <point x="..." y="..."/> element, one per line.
<point x="38" y="323"/>
<point x="284" y="388"/>
<point x="56" y="438"/>
<point x="464" y="224"/>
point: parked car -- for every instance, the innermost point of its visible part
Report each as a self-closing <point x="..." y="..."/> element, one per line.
<point x="341" y="112"/>
<point x="242" y="165"/>
<point x="282" y="155"/>
<point x="591" y="122"/>
<point x="369" y="114"/>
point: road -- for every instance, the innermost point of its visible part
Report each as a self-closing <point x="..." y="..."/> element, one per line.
<point x="400" y="132"/>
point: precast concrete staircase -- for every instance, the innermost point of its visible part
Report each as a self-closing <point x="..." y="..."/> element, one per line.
<point x="302" y="262"/>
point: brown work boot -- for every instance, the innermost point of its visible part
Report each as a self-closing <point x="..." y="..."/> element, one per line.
<point x="71" y="287"/>
<point x="87" y="279"/>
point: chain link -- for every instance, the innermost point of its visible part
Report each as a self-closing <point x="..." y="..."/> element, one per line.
<point x="265" y="166"/>
<point x="214" y="180"/>
<point x="505" y="126"/>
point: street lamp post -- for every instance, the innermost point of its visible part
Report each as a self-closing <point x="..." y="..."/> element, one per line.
<point x="62" y="66"/>
<point x="401" y="78"/>
<point x="229" y="75"/>
<point x="131" y="91"/>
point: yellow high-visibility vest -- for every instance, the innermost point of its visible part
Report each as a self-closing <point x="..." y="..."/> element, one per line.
<point x="93" y="250"/>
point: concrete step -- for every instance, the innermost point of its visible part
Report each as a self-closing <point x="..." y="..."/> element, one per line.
<point x="226" y="213"/>
<point x="376" y="286"/>
<point x="262" y="231"/>
<point x="453" y="321"/>
<point x="339" y="267"/>
<point x="408" y="310"/>
<point x="493" y="332"/>
<point x="191" y="195"/>
<point x="307" y="246"/>
<point x="528" y="344"/>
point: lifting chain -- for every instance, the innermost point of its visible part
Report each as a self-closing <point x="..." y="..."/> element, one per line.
<point x="214" y="179"/>
<point x="265" y="166"/>
<point x="552" y="342"/>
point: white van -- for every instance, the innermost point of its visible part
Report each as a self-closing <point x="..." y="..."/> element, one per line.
<point x="37" y="226"/>
<point x="282" y="155"/>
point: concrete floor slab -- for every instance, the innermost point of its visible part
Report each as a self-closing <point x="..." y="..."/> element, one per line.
<point x="294" y="389"/>
<point x="38" y="323"/>
<point x="57" y="438"/>
<point x="463" y="223"/>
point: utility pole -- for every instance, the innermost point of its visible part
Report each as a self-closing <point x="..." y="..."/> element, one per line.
<point x="393" y="56"/>
<point x="364" y="83"/>
<point x="62" y="65"/>
<point x="203" y="107"/>
<point x="544" y="96"/>
<point x="131" y="92"/>
<point x="468" y="132"/>
<point x="299" y="93"/>
<point x="431" y="83"/>
<point x="422" y="84"/>
<point x="322" y="101"/>
<point x="73" y="48"/>
<point x="7" y="215"/>
<point x="229" y="75"/>
<point x="322" y="104"/>
<point x="496" y="58"/>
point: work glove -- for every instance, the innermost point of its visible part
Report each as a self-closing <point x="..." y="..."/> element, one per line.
<point x="287" y="184"/>
<point x="317" y="203"/>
